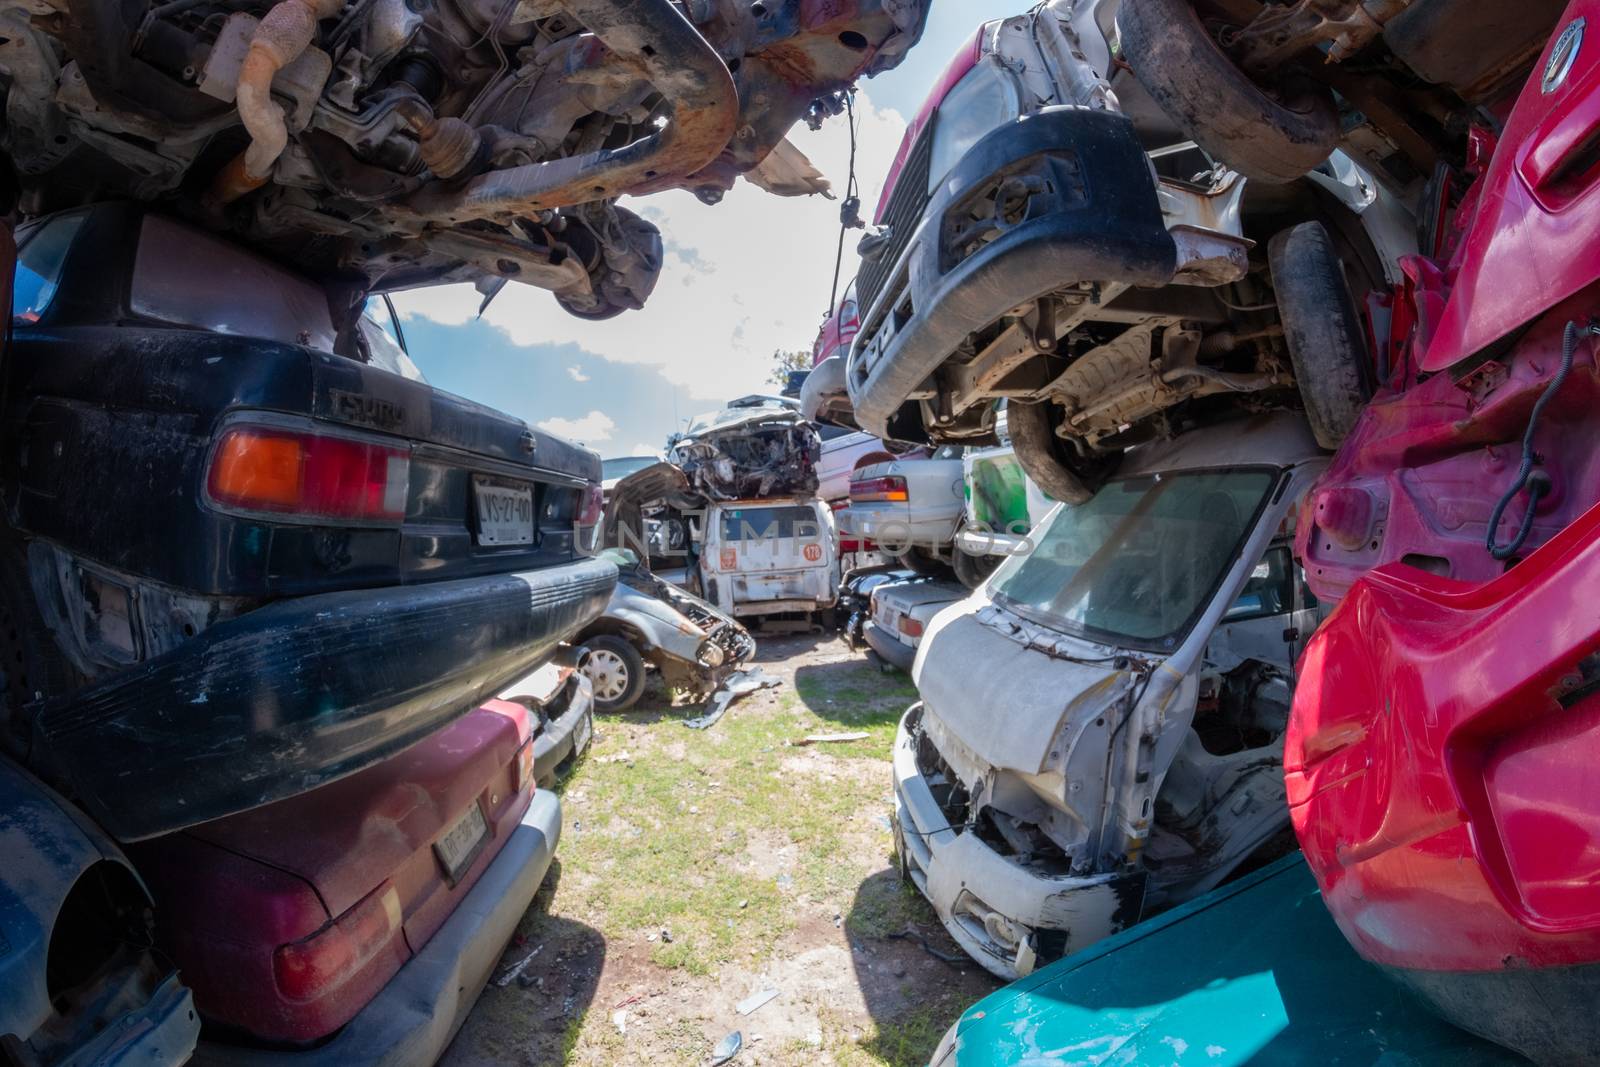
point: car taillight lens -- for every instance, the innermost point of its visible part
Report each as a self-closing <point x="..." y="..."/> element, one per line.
<point x="524" y="765"/>
<point x="291" y="472"/>
<point x="593" y="506"/>
<point x="909" y="626"/>
<point x="877" y="490"/>
<point x="334" y="954"/>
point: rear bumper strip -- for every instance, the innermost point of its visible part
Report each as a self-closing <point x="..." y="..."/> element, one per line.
<point x="302" y="692"/>
<point x="889" y="648"/>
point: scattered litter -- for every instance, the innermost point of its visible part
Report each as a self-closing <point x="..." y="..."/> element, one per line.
<point x="830" y="739"/>
<point x="651" y="936"/>
<point x="727" y="1049"/>
<point x="513" y="972"/>
<point x="666" y="935"/>
<point x="620" y="757"/>
<point x="619" y="1019"/>
<point x="736" y="685"/>
<point x="838" y="920"/>
<point x="754" y="1001"/>
<point x="743" y="904"/>
<point x="883" y="821"/>
<point x="912" y="935"/>
<point x="631" y="1000"/>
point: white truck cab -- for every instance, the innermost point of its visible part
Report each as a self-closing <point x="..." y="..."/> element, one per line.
<point x="770" y="557"/>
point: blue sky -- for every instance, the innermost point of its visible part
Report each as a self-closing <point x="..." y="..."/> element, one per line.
<point x="742" y="279"/>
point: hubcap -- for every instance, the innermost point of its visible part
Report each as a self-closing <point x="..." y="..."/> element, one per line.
<point x="608" y="673"/>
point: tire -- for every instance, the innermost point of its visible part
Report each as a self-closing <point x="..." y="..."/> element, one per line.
<point x="1210" y="98"/>
<point x="1048" y="460"/>
<point x="922" y="561"/>
<point x="1327" y="344"/>
<point x="616" y="669"/>
<point x="973" y="571"/>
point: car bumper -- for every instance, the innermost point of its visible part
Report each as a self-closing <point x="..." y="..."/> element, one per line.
<point x="564" y="738"/>
<point x="825" y="397"/>
<point x="161" y="1033"/>
<point x="889" y="648"/>
<point x="414" y="1018"/>
<point x="903" y="525"/>
<point x="1099" y="221"/>
<point x="304" y="691"/>
<point x="1070" y="913"/>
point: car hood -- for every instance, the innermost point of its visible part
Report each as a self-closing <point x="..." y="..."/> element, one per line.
<point x="1006" y="700"/>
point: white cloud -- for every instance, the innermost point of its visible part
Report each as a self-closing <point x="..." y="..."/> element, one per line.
<point x="590" y="429"/>
<point x="576" y="374"/>
<point x="760" y="268"/>
<point x="645" y="450"/>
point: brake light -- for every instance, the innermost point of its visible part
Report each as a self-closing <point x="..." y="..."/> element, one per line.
<point x="292" y="472"/>
<point x="889" y="489"/>
<point x="909" y="626"/>
<point x="333" y="955"/>
<point x="594" y="505"/>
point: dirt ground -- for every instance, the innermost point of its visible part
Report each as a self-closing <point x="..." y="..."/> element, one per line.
<point x="697" y="869"/>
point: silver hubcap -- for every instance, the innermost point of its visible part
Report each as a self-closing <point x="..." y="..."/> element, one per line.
<point x="608" y="673"/>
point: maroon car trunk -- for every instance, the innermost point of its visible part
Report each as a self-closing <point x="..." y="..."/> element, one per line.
<point x="288" y="919"/>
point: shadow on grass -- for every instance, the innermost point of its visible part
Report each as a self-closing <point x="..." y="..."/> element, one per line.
<point x="912" y="995"/>
<point x="537" y="1022"/>
<point x="853" y="694"/>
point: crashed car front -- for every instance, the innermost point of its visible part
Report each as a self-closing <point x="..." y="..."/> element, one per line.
<point x="1101" y="731"/>
<point x="756" y="447"/>
<point x="692" y="644"/>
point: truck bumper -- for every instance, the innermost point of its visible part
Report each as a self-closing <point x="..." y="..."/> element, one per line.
<point x="302" y="692"/>
<point x="412" y="1021"/>
<point x="1022" y="919"/>
<point x="1097" y="220"/>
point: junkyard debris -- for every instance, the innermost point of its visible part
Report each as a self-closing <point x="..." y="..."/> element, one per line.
<point x="912" y="935"/>
<point x="737" y="685"/>
<point x="830" y="739"/>
<point x="727" y="1049"/>
<point x="754" y="1001"/>
<point x="513" y="972"/>
<point x="619" y="1019"/>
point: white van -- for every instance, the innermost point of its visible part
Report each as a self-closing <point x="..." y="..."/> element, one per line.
<point x="770" y="557"/>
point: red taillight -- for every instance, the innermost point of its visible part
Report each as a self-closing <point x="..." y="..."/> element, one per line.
<point x="909" y="626"/>
<point x="593" y="506"/>
<point x="315" y="967"/>
<point x="890" y="489"/>
<point x="292" y="472"/>
<point x="524" y="765"/>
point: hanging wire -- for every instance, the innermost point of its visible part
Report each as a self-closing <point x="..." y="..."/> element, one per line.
<point x="849" y="210"/>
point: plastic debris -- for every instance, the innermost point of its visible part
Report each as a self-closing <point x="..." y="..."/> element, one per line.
<point x="619" y="1019"/>
<point x="736" y="685"/>
<point x="830" y="739"/>
<point x="513" y="972"/>
<point x="755" y="1000"/>
<point x="727" y="1049"/>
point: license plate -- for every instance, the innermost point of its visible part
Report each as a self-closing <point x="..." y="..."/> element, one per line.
<point x="505" y="512"/>
<point x="461" y="843"/>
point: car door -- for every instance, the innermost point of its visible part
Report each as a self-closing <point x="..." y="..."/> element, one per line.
<point x="1271" y="619"/>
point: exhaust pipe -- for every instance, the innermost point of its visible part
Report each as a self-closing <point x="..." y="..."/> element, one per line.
<point x="678" y="61"/>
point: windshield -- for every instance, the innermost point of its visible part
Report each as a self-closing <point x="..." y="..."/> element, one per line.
<point x="1138" y="562"/>
<point x="612" y="469"/>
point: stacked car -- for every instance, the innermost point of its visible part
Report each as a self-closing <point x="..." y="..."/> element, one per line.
<point x="1150" y="235"/>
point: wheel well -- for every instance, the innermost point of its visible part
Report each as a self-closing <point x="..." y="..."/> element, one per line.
<point x="105" y="912"/>
<point x="613" y="628"/>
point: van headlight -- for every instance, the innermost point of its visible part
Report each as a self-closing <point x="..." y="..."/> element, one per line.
<point x="980" y="103"/>
<point x="711" y="654"/>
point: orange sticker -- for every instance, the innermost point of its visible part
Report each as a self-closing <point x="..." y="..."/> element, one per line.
<point x="813" y="553"/>
<point x="730" y="559"/>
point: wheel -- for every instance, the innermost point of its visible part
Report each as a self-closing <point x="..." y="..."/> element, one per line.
<point x="920" y="560"/>
<point x="1273" y="136"/>
<point x="1053" y="464"/>
<point x="1326" y="341"/>
<point x="973" y="571"/>
<point x="616" y="670"/>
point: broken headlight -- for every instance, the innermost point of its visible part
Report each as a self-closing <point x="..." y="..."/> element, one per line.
<point x="710" y="654"/>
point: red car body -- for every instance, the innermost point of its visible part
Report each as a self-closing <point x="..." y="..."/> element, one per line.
<point x="289" y="919"/>
<point x="1446" y="725"/>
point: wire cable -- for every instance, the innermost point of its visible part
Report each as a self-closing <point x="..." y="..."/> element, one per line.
<point x="849" y="209"/>
<point x="1537" y="483"/>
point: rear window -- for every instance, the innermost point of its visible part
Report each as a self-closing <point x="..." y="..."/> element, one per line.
<point x="757" y="524"/>
<point x="39" y="267"/>
<point x="190" y="278"/>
